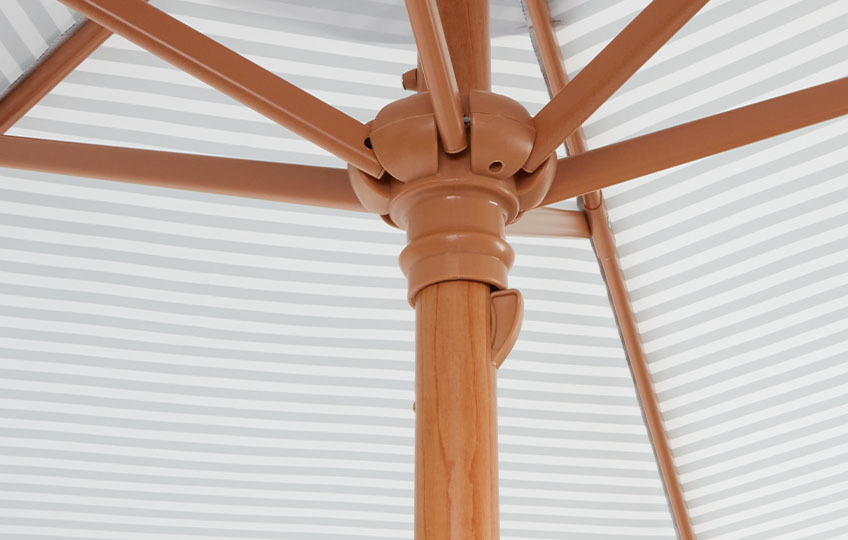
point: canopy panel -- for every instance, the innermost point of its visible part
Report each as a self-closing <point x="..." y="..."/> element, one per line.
<point x="736" y="264"/>
<point x="29" y="29"/>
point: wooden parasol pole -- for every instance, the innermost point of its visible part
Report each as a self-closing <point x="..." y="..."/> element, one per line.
<point x="456" y="460"/>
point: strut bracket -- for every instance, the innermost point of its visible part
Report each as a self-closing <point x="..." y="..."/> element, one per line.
<point x="507" y="315"/>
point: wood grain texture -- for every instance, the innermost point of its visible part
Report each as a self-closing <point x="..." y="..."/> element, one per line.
<point x="466" y="27"/>
<point x="456" y="459"/>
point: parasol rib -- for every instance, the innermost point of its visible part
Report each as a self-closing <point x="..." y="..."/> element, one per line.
<point x="438" y="70"/>
<point x="607" y="72"/>
<point x="300" y="184"/>
<point x="616" y="163"/>
<point x="234" y="75"/>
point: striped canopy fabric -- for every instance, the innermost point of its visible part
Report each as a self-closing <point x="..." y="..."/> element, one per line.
<point x="737" y="265"/>
<point x="30" y="29"/>
<point x="185" y="365"/>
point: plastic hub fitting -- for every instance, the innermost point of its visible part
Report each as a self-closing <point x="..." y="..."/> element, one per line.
<point x="453" y="207"/>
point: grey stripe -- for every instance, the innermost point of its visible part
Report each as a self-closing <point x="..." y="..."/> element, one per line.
<point x="771" y="480"/>
<point x="772" y="460"/>
<point x="221" y="268"/>
<point x="779" y="514"/>
<point x="765" y="246"/>
<point x="192" y="242"/>
<point x="801" y="524"/>
<point x="558" y="535"/>
<point x="203" y="310"/>
<point x="773" y="400"/>
<point x="762" y="340"/>
<point x="744" y="301"/>
<point x="774" y="421"/>
<point x="694" y="198"/>
<point x="746" y="278"/>
<point x="68" y="525"/>
<point x="336" y="24"/>
<point x="241" y="293"/>
<point x="824" y="201"/>
<point x="740" y="371"/>
<point x="182" y="217"/>
<point x="818" y="483"/>
<point x="39" y="17"/>
<point x="173" y="329"/>
<point x="176" y="389"/>
<point x="196" y="465"/>
<point x="194" y="480"/>
<point x="242" y="411"/>
<point x="198" y="498"/>
<point x="762" y="318"/>
<point x="14" y="44"/>
<point x="840" y="531"/>
<point x="91" y="511"/>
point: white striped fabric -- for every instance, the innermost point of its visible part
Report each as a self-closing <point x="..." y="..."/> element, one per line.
<point x="183" y="365"/>
<point x="737" y="264"/>
<point x="29" y="29"/>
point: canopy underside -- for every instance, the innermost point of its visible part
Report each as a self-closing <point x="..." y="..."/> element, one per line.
<point x="180" y="365"/>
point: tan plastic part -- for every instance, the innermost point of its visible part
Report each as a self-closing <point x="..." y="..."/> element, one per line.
<point x="409" y="80"/>
<point x="502" y="134"/>
<point x="507" y="316"/>
<point x="405" y="139"/>
<point x="374" y="193"/>
<point x="455" y="230"/>
<point x="454" y="207"/>
<point x="550" y="222"/>
<point x="533" y="187"/>
<point x="437" y="68"/>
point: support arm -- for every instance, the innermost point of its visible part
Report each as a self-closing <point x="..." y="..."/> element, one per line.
<point x="600" y="79"/>
<point x="603" y="242"/>
<point x="234" y="75"/>
<point x="438" y="70"/>
<point x="654" y="152"/>
<point x="299" y="184"/>
<point x="551" y="222"/>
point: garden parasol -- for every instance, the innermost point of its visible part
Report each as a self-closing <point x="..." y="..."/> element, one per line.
<point x="601" y="166"/>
